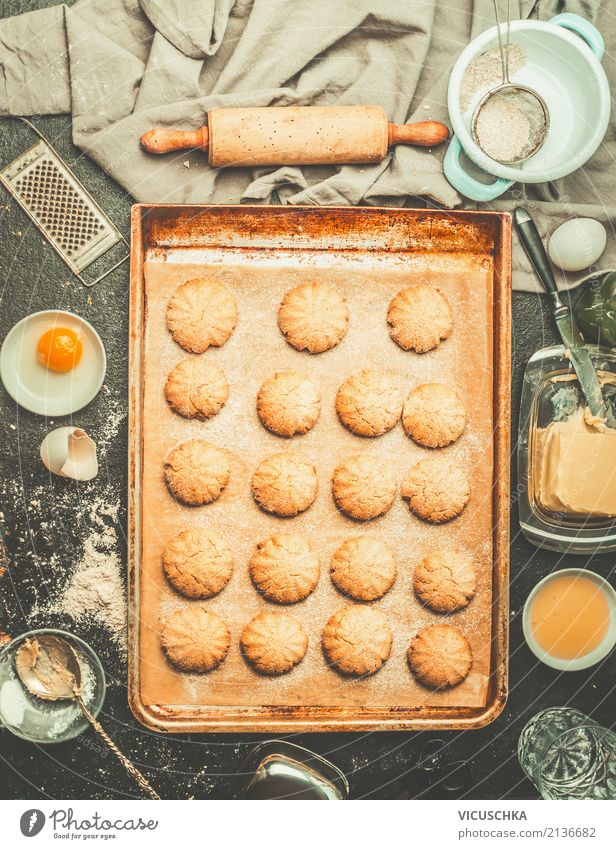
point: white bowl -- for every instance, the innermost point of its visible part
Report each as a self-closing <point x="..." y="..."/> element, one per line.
<point x="567" y="73"/>
<point x="587" y="660"/>
<point x="35" y="387"/>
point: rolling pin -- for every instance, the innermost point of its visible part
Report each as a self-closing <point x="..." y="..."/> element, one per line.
<point x="295" y="135"/>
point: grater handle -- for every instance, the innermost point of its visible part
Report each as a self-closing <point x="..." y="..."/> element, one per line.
<point x="166" y="141"/>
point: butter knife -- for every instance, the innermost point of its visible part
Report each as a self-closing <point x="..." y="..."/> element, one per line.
<point x="570" y="333"/>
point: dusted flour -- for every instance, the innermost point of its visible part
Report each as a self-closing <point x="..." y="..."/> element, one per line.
<point x="95" y="589"/>
<point x="503" y="130"/>
<point x="485" y="72"/>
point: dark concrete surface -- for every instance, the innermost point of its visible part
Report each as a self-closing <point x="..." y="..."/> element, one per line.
<point x="380" y="765"/>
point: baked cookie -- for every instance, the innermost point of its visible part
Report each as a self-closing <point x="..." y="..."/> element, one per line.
<point x="440" y="656"/>
<point x="197" y="389"/>
<point x="195" y="640"/>
<point x="197" y="472"/>
<point x="357" y="640"/>
<point x="364" y="486"/>
<point x="437" y="488"/>
<point x="369" y="403"/>
<point x="273" y="643"/>
<point x="201" y="313"/>
<point x="445" y="581"/>
<point x="197" y="563"/>
<point x="313" y="317"/>
<point x="285" y="568"/>
<point x="288" y="403"/>
<point x="434" y="415"/>
<point x="420" y="317"/>
<point x="284" y="484"/>
<point x="363" y="568"/>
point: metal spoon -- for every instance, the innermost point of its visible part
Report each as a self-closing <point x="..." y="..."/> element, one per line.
<point x="49" y="668"/>
<point x="527" y="102"/>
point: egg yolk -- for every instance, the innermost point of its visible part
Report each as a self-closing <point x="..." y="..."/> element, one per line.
<point x="59" y="349"/>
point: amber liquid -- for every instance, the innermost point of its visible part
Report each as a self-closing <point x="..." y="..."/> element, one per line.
<point x="569" y="617"/>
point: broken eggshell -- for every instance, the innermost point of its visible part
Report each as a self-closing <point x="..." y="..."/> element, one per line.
<point x="70" y="453"/>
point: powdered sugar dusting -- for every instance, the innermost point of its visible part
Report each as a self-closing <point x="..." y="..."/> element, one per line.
<point x="254" y="353"/>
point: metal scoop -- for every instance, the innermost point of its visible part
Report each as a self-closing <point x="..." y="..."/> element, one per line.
<point x="510" y="103"/>
<point x="49" y="668"/>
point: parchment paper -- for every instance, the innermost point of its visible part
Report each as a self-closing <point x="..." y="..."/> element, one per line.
<point x="255" y="351"/>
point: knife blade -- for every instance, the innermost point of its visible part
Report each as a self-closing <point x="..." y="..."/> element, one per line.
<point x="571" y="335"/>
<point x="579" y="356"/>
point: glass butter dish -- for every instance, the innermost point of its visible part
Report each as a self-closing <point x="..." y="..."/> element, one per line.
<point x="551" y="395"/>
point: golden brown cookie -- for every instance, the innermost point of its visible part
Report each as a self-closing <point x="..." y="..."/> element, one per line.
<point x="201" y="313"/>
<point x="434" y="415"/>
<point x="313" y="317"/>
<point x="440" y="656"/>
<point x="445" y="580"/>
<point x="357" y="640"/>
<point x="285" y="568"/>
<point x="437" y="488"/>
<point x="284" y="484"/>
<point x="420" y="317"/>
<point x="197" y="563"/>
<point x="369" y="403"/>
<point x="197" y="472"/>
<point x="364" y="486"/>
<point x="273" y="643"/>
<point x="197" y="389"/>
<point x="288" y="403"/>
<point x="195" y="640"/>
<point x="363" y="568"/>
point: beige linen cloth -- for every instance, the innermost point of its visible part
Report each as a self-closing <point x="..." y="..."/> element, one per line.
<point x="120" y="67"/>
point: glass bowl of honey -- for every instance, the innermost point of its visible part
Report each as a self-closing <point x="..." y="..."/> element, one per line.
<point x="569" y="619"/>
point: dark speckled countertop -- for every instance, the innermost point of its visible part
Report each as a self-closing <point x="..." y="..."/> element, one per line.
<point x="46" y="528"/>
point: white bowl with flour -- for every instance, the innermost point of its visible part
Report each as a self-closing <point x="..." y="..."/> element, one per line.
<point x="561" y="60"/>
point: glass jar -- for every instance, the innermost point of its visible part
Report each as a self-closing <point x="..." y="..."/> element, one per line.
<point x="547" y="372"/>
<point x="567" y="755"/>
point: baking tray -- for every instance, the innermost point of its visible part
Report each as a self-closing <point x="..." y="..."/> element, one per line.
<point x="271" y="247"/>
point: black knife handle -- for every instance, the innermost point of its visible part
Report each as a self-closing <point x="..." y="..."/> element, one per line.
<point x="537" y="254"/>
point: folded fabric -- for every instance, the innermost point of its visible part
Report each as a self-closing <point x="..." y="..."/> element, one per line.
<point x="120" y="67"/>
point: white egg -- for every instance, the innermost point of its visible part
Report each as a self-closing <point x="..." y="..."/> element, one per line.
<point x="577" y="243"/>
<point x="70" y="453"/>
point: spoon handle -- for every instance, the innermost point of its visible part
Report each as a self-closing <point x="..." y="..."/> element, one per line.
<point x="130" y="768"/>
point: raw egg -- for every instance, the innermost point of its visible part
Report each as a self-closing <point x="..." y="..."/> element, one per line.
<point x="577" y="244"/>
<point x="59" y="349"/>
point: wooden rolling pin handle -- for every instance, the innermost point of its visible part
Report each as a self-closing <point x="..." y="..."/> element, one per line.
<point x="423" y="134"/>
<point x="165" y="141"/>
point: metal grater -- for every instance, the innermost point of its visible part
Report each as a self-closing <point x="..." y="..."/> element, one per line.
<point x="61" y="208"/>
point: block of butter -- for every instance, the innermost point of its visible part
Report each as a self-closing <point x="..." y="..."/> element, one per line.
<point x="577" y="468"/>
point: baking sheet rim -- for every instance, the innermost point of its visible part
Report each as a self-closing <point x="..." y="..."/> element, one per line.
<point x="268" y="719"/>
